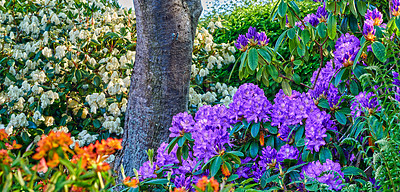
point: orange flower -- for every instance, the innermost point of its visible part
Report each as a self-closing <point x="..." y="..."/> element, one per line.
<point x="93" y="156"/>
<point x="13" y="146"/>
<point x="203" y="182"/>
<point x="225" y="170"/>
<point x="131" y="182"/>
<point x="4" y="157"/>
<point x="41" y="167"/>
<point x="3" y="134"/>
<point x="50" y="142"/>
<point x="180" y="189"/>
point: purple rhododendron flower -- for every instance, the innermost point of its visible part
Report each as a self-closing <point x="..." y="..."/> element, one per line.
<point x="322" y="14"/>
<point x="287" y="152"/>
<point x="395" y="8"/>
<point x="347" y="47"/>
<point x="208" y="141"/>
<point x="291" y="110"/>
<point x="283" y="133"/>
<point x="328" y="173"/>
<point x="369" y="30"/>
<point x="315" y="131"/>
<point x="147" y="171"/>
<point x="312" y="19"/>
<point x="163" y="158"/>
<point x="217" y="116"/>
<point x="323" y="87"/>
<point x="250" y="103"/>
<point x="268" y="155"/>
<point x="241" y="43"/>
<point x="252" y="34"/>
<point x="262" y="39"/>
<point x="374" y="16"/>
<point x="181" y="123"/>
<point x="181" y="181"/>
<point x="364" y="102"/>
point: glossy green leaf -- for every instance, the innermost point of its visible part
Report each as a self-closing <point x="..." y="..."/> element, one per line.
<point x="291" y="33"/>
<point x="379" y="51"/>
<point x="340" y="117"/>
<point x="265" y="55"/>
<point x="321" y="29"/>
<point x="253" y="59"/>
<point x="255" y="129"/>
<point x="11" y="77"/>
<point x="324" y="154"/>
<point x="253" y="149"/>
<point x="279" y="41"/>
<point x="305" y="36"/>
<point x="286" y="88"/>
<point x="282" y="9"/>
<point x="216" y="165"/>
<point x="272" y="71"/>
<point x="353" y="171"/>
<point x="332" y="27"/>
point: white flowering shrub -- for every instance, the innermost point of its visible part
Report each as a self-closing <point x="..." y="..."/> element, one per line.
<point x="208" y="59"/>
<point x="65" y="65"/>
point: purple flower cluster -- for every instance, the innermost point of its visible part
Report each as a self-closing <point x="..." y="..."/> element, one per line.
<point x="291" y="110"/>
<point x="251" y="38"/>
<point x="250" y="103"/>
<point x="287" y="152"/>
<point x="347" y="47"/>
<point x="208" y="142"/>
<point x="323" y="88"/>
<point x="328" y="173"/>
<point x="217" y="116"/>
<point x="369" y="30"/>
<point x="364" y="102"/>
<point x="315" y="131"/>
<point x="268" y="156"/>
<point x="181" y="123"/>
<point x="147" y="170"/>
<point x="322" y="14"/>
<point x="163" y="158"/>
<point x="312" y="19"/>
<point x="395" y="8"/>
<point x="374" y="16"/>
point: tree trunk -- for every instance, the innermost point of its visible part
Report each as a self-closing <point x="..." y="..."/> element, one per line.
<point x="161" y="75"/>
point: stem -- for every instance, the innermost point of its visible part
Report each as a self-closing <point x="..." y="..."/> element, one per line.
<point x="101" y="180"/>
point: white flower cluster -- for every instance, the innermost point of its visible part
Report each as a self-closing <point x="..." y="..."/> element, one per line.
<point x="209" y="57"/>
<point x="62" y="71"/>
<point x="83" y="138"/>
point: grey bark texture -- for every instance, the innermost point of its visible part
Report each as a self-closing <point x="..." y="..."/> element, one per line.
<point x="160" y="79"/>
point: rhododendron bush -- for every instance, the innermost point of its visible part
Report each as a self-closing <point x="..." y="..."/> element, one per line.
<point x="65" y="73"/>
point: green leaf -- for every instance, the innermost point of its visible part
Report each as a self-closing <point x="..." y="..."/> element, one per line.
<point x="340" y="117"/>
<point x="279" y="41"/>
<point x="342" y="157"/>
<point x="291" y="33"/>
<point x="301" y="142"/>
<point x="255" y="129"/>
<point x="321" y="28"/>
<point x="264" y="54"/>
<point x="31" y="125"/>
<point x="305" y="36"/>
<point x="397" y="21"/>
<point x="96" y="123"/>
<point x="379" y="51"/>
<point x="253" y="59"/>
<point x="353" y="171"/>
<point x="272" y="71"/>
<point x="358" y="55"/>
<point x="215" y="166"/>
<point x="338" y="77"/>
<point x="78" y="75"/>
<point x="323" y="103"/>
<point x="11" y="77"/>
<point x="237" y="153"/>
<point x="273" y="178"/>
<point x="353" y="23"/>
<point x="253" y="149"/>
<point x="296" y="78"/>
<point x="354" y="89"/>
<point x="332" y="27"/>
<point x="156" y="181"/>
<point x="96" y="81"/>
<point x="232" y="178"/>
<point x="352" y="6"/>
<point x="362" y="7"/>
<point x="324" y="154"/>
<point x="282" y="8"/>
<point x="286" y="88"/>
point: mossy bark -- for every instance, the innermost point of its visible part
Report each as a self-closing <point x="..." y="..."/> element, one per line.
<point x="160" y="79"/>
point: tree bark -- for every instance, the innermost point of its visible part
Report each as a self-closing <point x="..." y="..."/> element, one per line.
<point x="160" y="79"/>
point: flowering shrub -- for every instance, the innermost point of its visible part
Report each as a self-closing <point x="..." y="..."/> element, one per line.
<point x="58" y="167"/>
